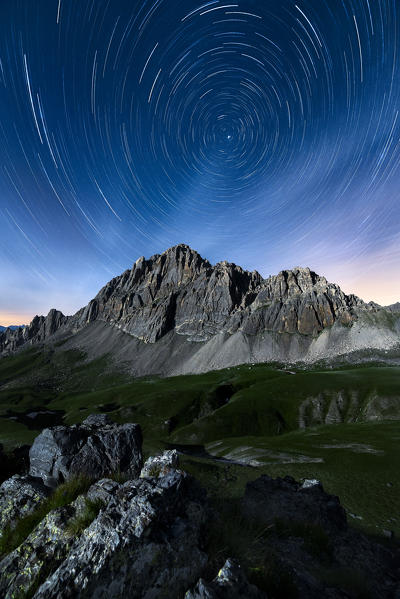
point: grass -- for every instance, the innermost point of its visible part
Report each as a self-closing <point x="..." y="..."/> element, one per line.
<point x="258" y="417"/>
<point x="77" y="525"/>
<point x="357" y="461"/>
<point x="64" y="494"/>
<point x="316" y="541"/>
<point x="231" y="534"/>
<point x="353" y="581"/>
<point x="252" y="413"/>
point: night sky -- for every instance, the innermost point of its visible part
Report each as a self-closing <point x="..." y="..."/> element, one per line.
<point x="263" y="132"/>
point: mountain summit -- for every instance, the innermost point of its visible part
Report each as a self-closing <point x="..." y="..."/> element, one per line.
<point x="175" y="312"/>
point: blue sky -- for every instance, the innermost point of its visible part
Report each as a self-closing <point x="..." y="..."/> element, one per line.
<point x="266" y="134"/>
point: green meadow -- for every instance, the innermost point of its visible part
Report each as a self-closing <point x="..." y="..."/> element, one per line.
<point x="338" y="425"/>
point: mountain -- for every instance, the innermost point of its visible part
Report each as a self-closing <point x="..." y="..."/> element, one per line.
<point x="394" y="307"/>
<point x="176" y="313"/>
<point x="13" y="327"/>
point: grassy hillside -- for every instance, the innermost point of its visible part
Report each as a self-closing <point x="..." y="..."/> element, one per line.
<point x="341" y="425"/>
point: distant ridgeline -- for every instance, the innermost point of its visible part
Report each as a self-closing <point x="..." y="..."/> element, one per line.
<point x="176" y="313"/>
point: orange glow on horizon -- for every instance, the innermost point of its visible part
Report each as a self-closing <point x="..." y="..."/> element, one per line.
<point x="14" y="318"/>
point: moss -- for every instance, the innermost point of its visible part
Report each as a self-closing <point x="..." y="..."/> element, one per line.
<point x="64" y="494"/>
<point x="154" y="470"/>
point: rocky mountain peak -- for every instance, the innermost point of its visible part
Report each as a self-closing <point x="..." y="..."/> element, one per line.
<point x="179" y="264"/>
<point x="300" y="280"/>
<point x="180" y="293"/>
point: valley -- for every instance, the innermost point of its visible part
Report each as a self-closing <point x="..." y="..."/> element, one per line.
<point x="339" y="425"/>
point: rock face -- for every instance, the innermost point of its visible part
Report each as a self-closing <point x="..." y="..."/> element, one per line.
<point x="144" y="543"/>
<point x="38" y="331"/>
<point x="178" y="303"/>
<point x="231" y="583"/>
<point x="180" y="290"/>
<point x="308" y="533"/>
<point x="267" y="499"/>
<point x="96" y="448"/>
<point x="145" y="538"/>
<point x="42" y="551"/>
<point x="394" y="307"/>
<point x="19" y="495"/>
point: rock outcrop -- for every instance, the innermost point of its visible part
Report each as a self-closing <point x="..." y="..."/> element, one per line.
<point x="160" y="465"/>
<point x="96" y="448"/>
<point x="180" y="290"/>
<point x="177" y="303"/>
<point x="267" y="499"/>
<point x="309" y="535"/>
<point x="394" y="307"/>
<point x="145" y="538"/>
<point x="19" y="496"/>
<point x="38" y="331"/>
<point x="43" y="550"/>
<point x="143" y="541"/>
<point x="230" y="583"/>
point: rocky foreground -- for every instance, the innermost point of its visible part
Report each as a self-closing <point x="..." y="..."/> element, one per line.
<point x="143" y="530"/>
<point x="176" y="313"/>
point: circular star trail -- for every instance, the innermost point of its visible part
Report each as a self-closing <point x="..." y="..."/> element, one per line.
<point x="265" y="133"/>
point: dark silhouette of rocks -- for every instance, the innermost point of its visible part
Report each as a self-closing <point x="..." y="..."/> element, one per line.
<point x="267" y="499"/>
<point x="19" y="496"/>
<point x="309" y="534"/>
<point x="230" y="583"/>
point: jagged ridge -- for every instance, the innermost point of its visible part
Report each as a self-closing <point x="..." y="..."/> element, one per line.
<point x="182" y="292"/>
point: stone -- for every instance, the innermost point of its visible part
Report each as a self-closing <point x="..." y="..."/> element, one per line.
<point x="230" y="583"/>
<point x="95" y="449"/>
<point x="19" y="496"/>
<point x="267" y="499"/>
<point x="161" y="464"/>
<point x="42" y="551"/>
<point x="38" y="331"/>
<point x="308" y="535"/>
<point x="103" y="490"/>
<point x="97" y="420"/>
<point x="310" y="482"/>
<point x="144" y="543"/>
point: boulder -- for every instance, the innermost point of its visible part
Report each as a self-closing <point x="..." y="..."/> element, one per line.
<point x="19" y="496"/>
<point x="41" y="552"/>
<point x="312" y="546"/>
<point x="267" y="499"/>
<point x="230" y="583"/>
<point x="145" y="542"/>
<point x="96" y="448"/>
<point x="160" y="465"/>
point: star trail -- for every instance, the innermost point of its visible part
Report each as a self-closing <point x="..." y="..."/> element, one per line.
<point x="264" y="133"/>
